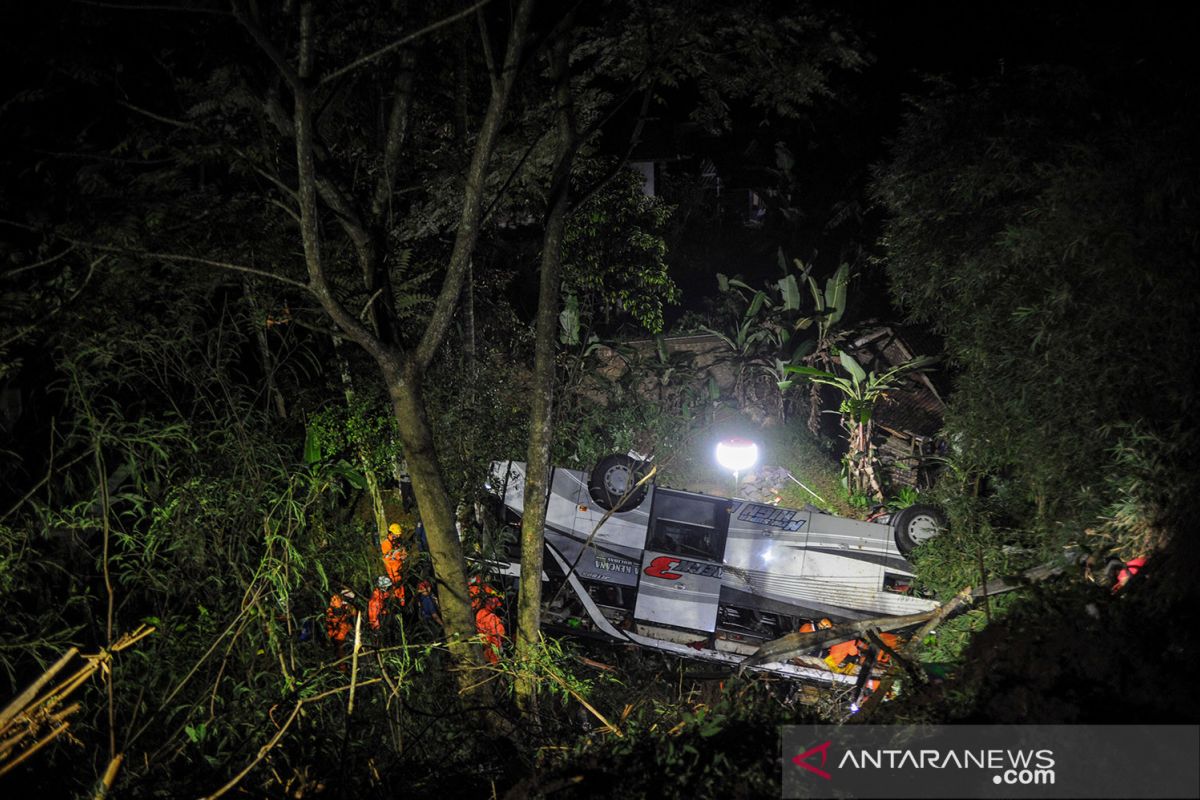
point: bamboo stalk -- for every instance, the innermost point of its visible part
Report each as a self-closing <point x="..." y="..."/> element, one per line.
<point x="611" y="728"/>
<point x="5" y="769"/>
<point x="274" y="740"/>
<point x="11" y="742"/>
<point x="110" y="775"/>
<point x="910" y="650"/>
<point x="26" y="697"/>
<point x="354" y="662"/>
<point x="36" y="713"/>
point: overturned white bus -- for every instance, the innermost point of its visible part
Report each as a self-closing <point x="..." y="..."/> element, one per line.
<point x="708" y="577"/>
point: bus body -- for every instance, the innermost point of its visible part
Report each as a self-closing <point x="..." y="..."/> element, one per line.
<point x="706" y="577"/>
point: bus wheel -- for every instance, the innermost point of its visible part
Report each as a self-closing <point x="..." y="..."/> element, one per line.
<point x="612" y="483"/>
<point x="916" y="525"/>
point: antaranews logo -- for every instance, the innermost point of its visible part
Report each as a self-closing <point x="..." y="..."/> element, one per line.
<point x="802" y="759"/>
<point x="1031" y="762"/>
<point x="1012" y="767"/>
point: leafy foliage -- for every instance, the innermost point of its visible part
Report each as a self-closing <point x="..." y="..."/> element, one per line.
<point x="615" y="257"/>
<point x="1038" y="223"/>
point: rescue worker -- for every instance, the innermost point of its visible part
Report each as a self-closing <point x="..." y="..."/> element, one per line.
<point x="1131" y="567"/>
<point x="489" y="625"/>
<point x="842" y="656"/>
<point x="807" y="627"/>
<point x="377" y="608"/>
<point x="479" y="591"/>
<point x="394" y="554"/>
<point x="892" y="641"/>
<point x="339" y="620"/>
<point x="884" y="658"/>
<point x="428" y="603"/>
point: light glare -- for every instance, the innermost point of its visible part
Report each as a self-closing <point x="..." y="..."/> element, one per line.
<point x="737" y="454"/>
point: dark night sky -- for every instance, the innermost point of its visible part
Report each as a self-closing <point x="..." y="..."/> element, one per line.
<point x="1130" y="47"/>
<point x="906" y="40"/>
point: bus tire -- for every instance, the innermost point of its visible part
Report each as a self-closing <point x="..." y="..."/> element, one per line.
<point x="611" y="481"/>
<point x="915" y="525"/>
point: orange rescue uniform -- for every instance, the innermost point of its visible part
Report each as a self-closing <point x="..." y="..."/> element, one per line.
<point x="377" y="608"/>
<point x="491" y="627"/>
<point x="394" y="556"/>
<point x="892" y="641"/>
<point x="477" y="589"/>
<point x="339" y="618"/>
<point x="841" y="651"/>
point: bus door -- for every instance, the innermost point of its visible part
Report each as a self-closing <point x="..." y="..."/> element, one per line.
<point x="680" y="579"/>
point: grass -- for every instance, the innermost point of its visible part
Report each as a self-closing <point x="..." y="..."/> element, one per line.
<point x="694" y="468"/>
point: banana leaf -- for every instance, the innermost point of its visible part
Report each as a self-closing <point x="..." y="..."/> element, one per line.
<point x="312" y="447"/>
<point x="790" y="292"/>
<point x="835" y="293"/>
<point x="760" y="297"/>
<point x="852" y="366"/>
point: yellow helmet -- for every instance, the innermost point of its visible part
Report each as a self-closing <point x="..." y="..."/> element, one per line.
<point x="395" y="528"/>
<point x="824" y="623"/>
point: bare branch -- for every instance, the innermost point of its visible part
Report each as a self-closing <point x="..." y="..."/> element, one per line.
<point x="310" y="232"/>
<point x="367" y="304"/>
<point x="489" y="59"/>
<point x="397" y="131"/>
<point x="265" y="44"/>
<point x="156" y="117"/>
<point x="468" y="225"/>
<point x="262" y="273"/>
<point x="274" y="179"/>
<point x="153" y="255"/>
<point x="12" y="273"/>
<point x="306" y="40"/>
<point x="634" y="137"/>
<point x="353" y="65"/>
<point x="108" y="159"/>
<point x="285" y="209"/>
<point x="514" y="173"/>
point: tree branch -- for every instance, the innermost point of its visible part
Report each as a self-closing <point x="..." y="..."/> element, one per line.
<point x="468" y="226"/>
<point x="353" y="65"/>
<point x="12" y="273"/>
<point x="305" y="57"/>
<point x="634" y="138"/>
<point x="274" y="740"/>
<point x="489" y="58"/>
<point x="149" y="254"/>
<point x="397" y="132"/>
<point x="310" y="233"/>
<point x="156" y="117"/>
<point x="130" y="251"/>
<point x="512" y="175"/>
<point x="265" y="44"/>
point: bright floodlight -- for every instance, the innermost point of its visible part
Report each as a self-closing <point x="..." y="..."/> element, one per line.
<point x="737" y="455"/>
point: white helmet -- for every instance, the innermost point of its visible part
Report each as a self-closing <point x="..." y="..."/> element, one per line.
<point x="383" y="582"/>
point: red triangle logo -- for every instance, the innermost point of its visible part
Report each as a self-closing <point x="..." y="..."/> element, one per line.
<point x="802" y="759"/>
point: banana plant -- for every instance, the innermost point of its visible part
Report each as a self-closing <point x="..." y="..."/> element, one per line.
<point x="774" y="329"/>
<point x="861" y="390"/>
<point x="749" y="329"/>
<point x="829" y="305"/>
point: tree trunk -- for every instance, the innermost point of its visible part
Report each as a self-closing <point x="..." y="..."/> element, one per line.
<point x="541" y="434"/>
<point x="437" y="514"/>
<point x="402" y="373"/>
